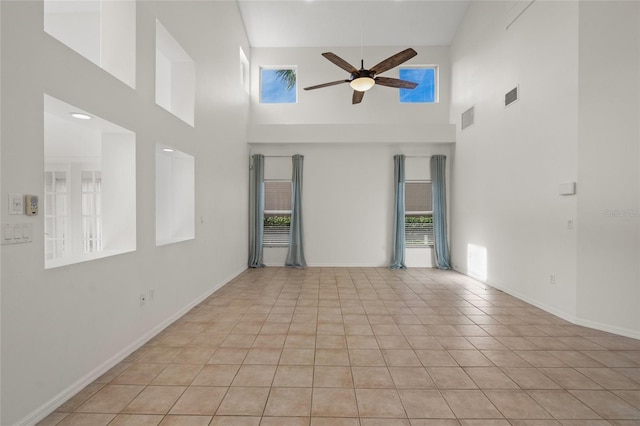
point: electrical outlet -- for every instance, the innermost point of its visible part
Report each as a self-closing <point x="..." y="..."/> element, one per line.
<point x="143" y="299"/>
<point x="570" y="224"/>
<point x="152" y="294"/>
<point x="552" y="279"/>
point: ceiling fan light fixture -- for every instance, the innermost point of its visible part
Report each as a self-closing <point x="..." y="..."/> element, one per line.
<point x="362" y="84"/>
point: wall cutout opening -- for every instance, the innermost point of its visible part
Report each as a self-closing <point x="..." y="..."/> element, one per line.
<point x="102" y="31"/>
<point x="175" y="76"/>
<point x="175" y="195"/>
<point x="244" y="71"/>
<point x="89" y="186"/>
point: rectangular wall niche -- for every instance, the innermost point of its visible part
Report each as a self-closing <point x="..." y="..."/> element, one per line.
<point x="175" y="195"/>
<point x="102" y="31"/>
<point x="89" y="186"/>
<point x="175" y="76"/>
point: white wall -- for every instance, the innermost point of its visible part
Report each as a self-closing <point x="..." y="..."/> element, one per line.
<point x="508" y="165"/>
<point x="347" y="201"/>
<point x="85" y="317"/>
<point x="577" y="120"/>
<point x="609" y="166"/>
<point x="117" y="39"/>
<point x="118" y="192"/>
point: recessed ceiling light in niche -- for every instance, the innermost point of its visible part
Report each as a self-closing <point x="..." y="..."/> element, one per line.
<point x="168" y="149"/>
<point x="81" y="116"/>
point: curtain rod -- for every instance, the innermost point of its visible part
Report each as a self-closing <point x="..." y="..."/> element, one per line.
<point x="418" y="156"/>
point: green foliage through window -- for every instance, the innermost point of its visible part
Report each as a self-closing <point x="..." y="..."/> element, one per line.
<point x="277" y="220"/>
<point x="418" y="219"/>
<point x="288" y="77"/>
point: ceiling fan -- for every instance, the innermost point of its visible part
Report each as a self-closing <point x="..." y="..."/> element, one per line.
<point x="362" y="79"/>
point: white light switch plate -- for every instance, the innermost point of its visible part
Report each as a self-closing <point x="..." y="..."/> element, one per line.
<point x="17" y="233"/>
<point x="16" y="204"/>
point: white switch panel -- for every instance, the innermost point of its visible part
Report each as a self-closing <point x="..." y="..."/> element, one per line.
<point x="16" y="204"/>
<point x="17" y="233"/>
<point x="7" y="233"/>
<point x="26" y="232"/>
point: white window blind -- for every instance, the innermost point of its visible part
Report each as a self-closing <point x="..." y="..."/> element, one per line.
<point x="418" y="214"/>
<point x="277" y="212"/>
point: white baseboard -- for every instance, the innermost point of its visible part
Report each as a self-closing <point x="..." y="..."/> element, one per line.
<point x="346" y="265"/>
<point x="574" y="319"/>
<point x="333" y="265"/>
<point x="621" y="331"/>
<point x="51" y="405"/>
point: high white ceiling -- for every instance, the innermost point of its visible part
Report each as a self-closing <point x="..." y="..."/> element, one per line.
<point x="314" y="23"/>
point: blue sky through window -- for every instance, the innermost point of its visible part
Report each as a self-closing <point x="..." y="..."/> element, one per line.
<point x="273" y="90"/>
<point x="426" y="90"/>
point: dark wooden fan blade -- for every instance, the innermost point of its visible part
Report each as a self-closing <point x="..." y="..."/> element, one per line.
<point x="393" y="61"/>
<point x="340" y="62"/>
<point x="357" y="97"/>
<point x="394" y="82"/>
<point x="320" y="86"/>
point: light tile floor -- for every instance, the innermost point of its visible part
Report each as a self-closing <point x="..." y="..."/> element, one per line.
<point x="367" y="347"/>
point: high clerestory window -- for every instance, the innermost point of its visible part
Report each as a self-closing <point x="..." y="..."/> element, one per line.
<point x="427" y="90"/>
<point x="278" y="85"/>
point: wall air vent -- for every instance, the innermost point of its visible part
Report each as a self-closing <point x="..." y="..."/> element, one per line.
<point x="511" y="96"/>
<point x="467" y="118"/>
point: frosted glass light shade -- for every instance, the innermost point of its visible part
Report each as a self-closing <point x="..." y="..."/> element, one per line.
<point x="362" y="84"/>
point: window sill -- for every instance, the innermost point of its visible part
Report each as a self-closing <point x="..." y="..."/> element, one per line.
<point x="173" y="241"/>
<point x="70" y="260"/>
